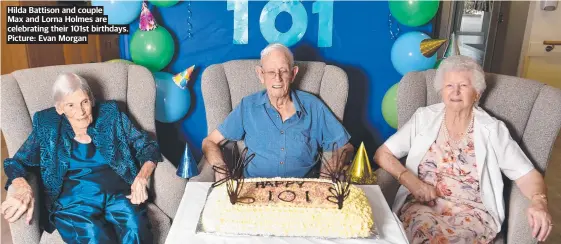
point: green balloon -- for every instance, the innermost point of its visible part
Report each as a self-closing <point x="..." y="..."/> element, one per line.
<point x="163" y="3"/>
<point x="389" y="106"/>
<point x="437" y="63"/>
<point x="152" y="49"/>
<point x="414" y="12"/>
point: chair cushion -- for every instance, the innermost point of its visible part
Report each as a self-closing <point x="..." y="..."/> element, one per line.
<point x="161" y="224"/>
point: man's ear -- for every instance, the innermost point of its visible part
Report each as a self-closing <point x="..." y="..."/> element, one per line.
<point x="259" y="71"/>
<point x="294" y="73"/>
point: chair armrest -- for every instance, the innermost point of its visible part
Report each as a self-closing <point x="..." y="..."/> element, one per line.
<point x="519" y="230"/>
<point x="388" y="185"/>
<point x="22" y="233"/>
<point x="167" y="188"/>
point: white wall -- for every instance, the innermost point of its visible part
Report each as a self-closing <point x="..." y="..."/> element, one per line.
<point x="535" y="62"/>
<point x="545" y="25"/>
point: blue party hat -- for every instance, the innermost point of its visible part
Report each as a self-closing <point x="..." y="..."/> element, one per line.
<point x="188" y="166"/>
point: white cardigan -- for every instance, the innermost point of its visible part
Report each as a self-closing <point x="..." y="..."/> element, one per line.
<point x="495" y="152"/>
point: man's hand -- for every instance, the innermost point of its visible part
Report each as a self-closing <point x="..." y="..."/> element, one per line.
<point x="218" y="176"/>
<point x="220" y="173"/>
<point x="19" y="202"/>
<point x="213" y="153"/>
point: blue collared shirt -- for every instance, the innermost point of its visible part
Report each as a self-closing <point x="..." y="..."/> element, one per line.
<point x="286" y="149"/>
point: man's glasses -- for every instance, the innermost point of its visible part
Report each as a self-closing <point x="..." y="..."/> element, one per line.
<point x="281" y="73"/>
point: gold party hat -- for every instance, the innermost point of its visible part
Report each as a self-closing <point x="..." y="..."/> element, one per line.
<point x="360" y="171"/>
<point x="430" y="46"/>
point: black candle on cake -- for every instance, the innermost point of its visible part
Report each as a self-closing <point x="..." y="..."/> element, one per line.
<point x="234" y="177"/>
<point x="335" y="170"/>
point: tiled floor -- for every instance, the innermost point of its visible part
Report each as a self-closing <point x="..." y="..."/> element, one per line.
<point x="552" y="180"/>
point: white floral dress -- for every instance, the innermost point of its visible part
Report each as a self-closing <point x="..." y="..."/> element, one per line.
<point x="458" y="214"/>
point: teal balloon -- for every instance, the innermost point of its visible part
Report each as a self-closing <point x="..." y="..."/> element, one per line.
<point x="120" y="12"/>
<point x="152" y="49"/>
<point x="164" y="3"/>
<point x="389" y="106"/>
<point x="172" y="102"/>
<point x="406" y="53"/>
<point x="414" y="12"/>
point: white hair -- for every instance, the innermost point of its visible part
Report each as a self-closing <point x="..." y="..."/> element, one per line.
<point x="68" y="83"/>
<point x="277" y="46"/>
<point x="459" y="63"/>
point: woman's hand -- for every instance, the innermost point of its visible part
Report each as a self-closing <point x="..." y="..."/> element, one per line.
<point x="19" y="202"/>
<point x="422" y="191"/>
<point x="532" y="185"/>
<point x="539" y="219"/>
<point x="139" y="192"/>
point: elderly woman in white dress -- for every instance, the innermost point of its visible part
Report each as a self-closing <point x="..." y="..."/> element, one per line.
<point x="451" y="185"/>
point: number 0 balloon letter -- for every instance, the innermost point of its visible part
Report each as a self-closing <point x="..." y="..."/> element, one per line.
<point x="299" y="22"/>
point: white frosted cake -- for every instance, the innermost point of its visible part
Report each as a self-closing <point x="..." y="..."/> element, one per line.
<point x="288" y="207"/>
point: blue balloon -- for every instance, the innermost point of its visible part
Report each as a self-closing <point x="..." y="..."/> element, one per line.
<point x="120" y="12"/>
<point x="406" y="53"/>
<point x="172" y="102"/>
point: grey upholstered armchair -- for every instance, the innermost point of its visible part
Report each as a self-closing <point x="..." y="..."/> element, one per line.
<point x="25" y="92"/>
<point x="531" y="110"/>
<point x="224" y="86"/>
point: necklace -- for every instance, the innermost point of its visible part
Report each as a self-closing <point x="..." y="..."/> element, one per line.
<point x="449" y="139"/>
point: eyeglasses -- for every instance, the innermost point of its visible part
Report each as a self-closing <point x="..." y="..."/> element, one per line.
<point x="273" y="74"/>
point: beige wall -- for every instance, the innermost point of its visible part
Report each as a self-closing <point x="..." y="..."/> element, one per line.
<point x="535" y="62"/>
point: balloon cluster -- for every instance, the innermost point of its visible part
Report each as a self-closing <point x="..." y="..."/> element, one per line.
<point x="412" y="51"/>
<point x="153" y="47"/>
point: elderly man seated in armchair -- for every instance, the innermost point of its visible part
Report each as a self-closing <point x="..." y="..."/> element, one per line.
<point x="285" y="128"/>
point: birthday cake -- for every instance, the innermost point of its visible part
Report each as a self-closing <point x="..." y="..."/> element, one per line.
<point x="288" y="207"/>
